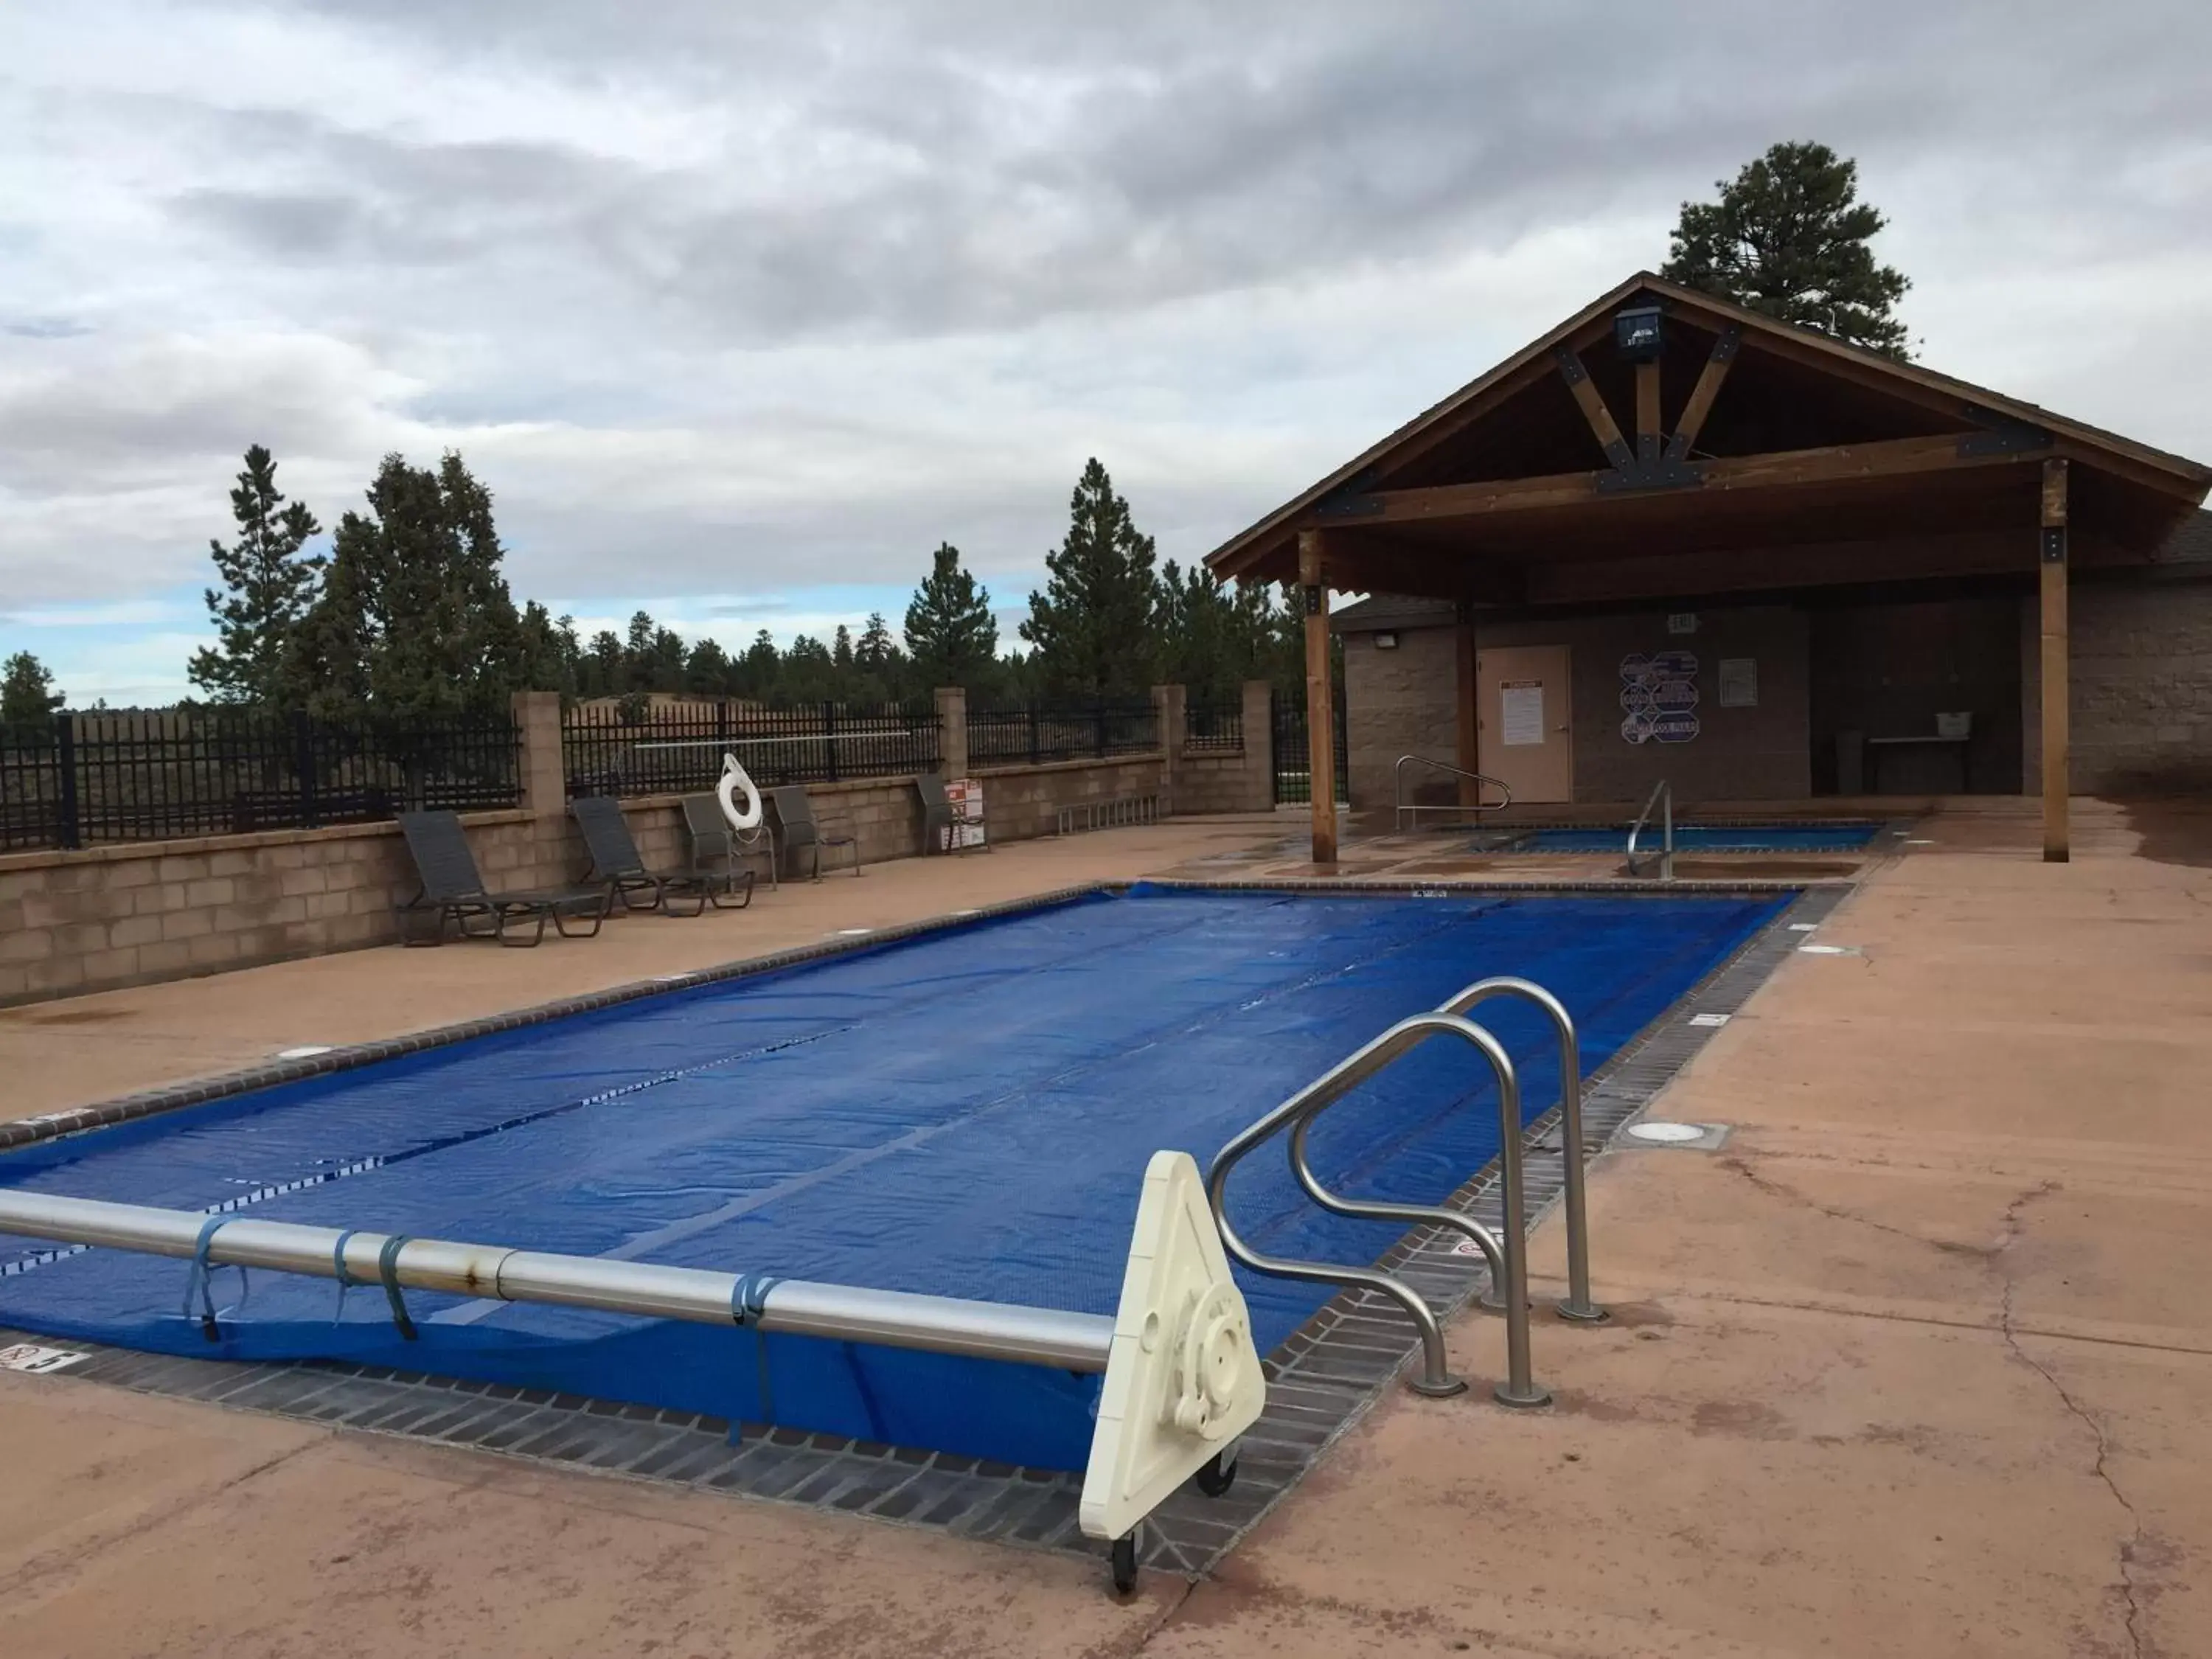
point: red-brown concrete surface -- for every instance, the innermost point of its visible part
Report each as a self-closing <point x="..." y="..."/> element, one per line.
<point x="1917" y="1364"/>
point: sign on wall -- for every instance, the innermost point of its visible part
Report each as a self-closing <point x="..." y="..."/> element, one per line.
<point x="1659" y="697"/>
<point x="966" y="830"/>
<point x="1739" y="681"/>
<point x="1521" y="712"/>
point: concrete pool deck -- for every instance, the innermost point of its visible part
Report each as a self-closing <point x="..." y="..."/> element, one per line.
<point x="1916" y="1364"/>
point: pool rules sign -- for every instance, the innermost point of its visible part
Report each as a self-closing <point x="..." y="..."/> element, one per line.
<point x="1659" y="697"/>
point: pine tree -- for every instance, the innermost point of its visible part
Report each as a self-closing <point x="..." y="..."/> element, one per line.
<point x="950" y="634"/>
<point x="414" y="617"/>
<point x="1093" y="625"/>
<point x="269" y="585"/>
<point x="1788" y="238"/>
<point x="551" y="658"/>
<point x="707" y="670"/>
<point x="27" y="697"/>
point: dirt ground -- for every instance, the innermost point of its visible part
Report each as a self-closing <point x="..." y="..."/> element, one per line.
<point x="1917" y="1363"/>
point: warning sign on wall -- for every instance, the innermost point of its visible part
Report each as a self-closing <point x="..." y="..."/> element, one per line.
<point x="965" y="796"/>
<point x="1659" y="697"/>
<point x="1521" y="711"/>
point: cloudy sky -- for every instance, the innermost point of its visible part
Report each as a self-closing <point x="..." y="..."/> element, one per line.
<point x="739" y="310"/>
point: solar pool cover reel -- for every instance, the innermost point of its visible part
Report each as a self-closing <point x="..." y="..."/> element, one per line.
<point x="1183" y="1378"/>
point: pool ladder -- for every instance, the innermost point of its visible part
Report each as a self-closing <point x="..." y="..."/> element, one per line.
<point x="1663" y="798"/>
<point x="1506" y="1253"/>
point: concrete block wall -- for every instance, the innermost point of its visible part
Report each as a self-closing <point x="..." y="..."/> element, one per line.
<point x="2141" y="680"/>
<point x="105" y="917"/>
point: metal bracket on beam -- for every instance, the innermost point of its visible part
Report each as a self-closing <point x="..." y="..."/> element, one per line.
<point x="2002" y="435"/>
<point x="1353" y="499"/>
<point x="1660" y="472"/>
<point x="2054" y="543"/>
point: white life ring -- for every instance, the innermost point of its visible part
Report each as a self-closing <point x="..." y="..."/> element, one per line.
<point x="733" y="779"/>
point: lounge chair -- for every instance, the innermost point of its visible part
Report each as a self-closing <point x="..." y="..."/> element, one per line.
<point x="794" y="814"/>
<point x="618" y="863"/>
<point x="452" y="889"/>
<point x="719" y="850"/>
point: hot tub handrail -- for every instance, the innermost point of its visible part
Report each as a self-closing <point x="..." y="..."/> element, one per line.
<point x="1404" y="808"/>
<point x="1577" y="1304"/>
<point x="1519" y="1388"/>
<point x="1662" y="796"/>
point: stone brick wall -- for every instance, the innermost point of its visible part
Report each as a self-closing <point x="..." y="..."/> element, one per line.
<point x="1400" y="702"/>
<point x="1405" y="700"/>
<point x="2140" y="673"/>
<point x="109" y="916"/>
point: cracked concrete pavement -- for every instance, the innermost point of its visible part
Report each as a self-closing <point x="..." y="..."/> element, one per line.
<point x="1919" y="1365"/>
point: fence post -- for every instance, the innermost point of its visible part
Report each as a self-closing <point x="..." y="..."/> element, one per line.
<point x="1169" y="707"/>
<point x="1098" y="720"/>
<point x="66" y="829"/>
<point x="1034" y="757"/>
<point x="829" y="740"/>
<point x="952" y="730"/>
<point x="303" y="766"/>
<point x="1259" y="746"/>
<point x="544" y="774"/>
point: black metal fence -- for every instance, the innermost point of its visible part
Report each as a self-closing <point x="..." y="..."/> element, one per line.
<point x="1011" y="736"/>
<point x="678" y="750"/>
<point x="1293" y="761"/>
<point x="78" y="779"/>
<point x="1213" y="726"/>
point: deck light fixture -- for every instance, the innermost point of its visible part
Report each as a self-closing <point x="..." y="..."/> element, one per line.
<point x="1386" y="641"/>
<point x="1637" y="334"/>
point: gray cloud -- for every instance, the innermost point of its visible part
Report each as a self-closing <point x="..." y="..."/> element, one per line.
<point x="745" y="300"/>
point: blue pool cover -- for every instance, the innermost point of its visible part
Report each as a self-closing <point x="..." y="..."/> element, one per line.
<point x="1704" y="838"/>
<point x="968" y="1114"/>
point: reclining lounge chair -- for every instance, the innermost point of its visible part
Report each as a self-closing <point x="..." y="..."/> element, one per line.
<point x="616" y="862"/>
<point x="451" y="888"/>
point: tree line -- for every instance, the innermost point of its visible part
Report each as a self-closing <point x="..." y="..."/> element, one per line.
<point x="410" y="613"/>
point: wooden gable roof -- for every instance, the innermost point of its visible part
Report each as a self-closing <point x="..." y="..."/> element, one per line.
<point x="1807" y="443"/>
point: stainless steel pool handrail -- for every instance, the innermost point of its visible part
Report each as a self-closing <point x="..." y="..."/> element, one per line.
<point x="850" y="1312"/>
<point x="1662" y="794"/>
<point x="1519" y="1388"/>
<point x="1577" y="1304"/>
<point x="1404" y="808"/>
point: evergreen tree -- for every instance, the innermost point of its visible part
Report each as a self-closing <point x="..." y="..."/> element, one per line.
<point x="602" y="669"/>
<point x="414" y="617"/>
<point x="1788" y="237"/>
<point x="1093" y="625"/>
<point x="950" y="634"/>
<point x="759" y="669"/>
<point x="269" y="585"/>
<point x="707" y="670"/>
<point x="841" y="652"/>
<point x="551" y="658"/>
<point x="806" y="673"/>
<point x="27" y="697"/>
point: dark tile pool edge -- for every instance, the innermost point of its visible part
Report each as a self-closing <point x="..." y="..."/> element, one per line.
<point x="1323" y="1380"/>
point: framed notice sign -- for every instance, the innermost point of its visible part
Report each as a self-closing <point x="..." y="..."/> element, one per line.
<point x="966" y="830"/>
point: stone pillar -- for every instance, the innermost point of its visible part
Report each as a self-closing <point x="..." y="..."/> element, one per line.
<point x="952" y="730"/>
<point x="544" y="775"/>
<point x="1169" y="703"/>
<point x="1259" y="791"/>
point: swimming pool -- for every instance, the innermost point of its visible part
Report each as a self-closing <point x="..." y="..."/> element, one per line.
<point x="1837" y="837"/>
<point x="968" y="1113"/>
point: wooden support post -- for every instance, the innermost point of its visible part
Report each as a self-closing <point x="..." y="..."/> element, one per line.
<point x="1321" y="698"/>
<point x="2052" y="558"/>
<point x="1647" y="413"/>
<point x="1468" y="755"/>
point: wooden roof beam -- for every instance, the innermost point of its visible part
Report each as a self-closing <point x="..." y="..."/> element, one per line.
<point x="1693" y="419"/>
<point x="1893" y="457"/>
<point x="1602" y="426"/>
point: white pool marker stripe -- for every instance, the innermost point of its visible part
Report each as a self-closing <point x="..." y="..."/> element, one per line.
<point x="1828" y="950"/>
<point x="1802" y="926"/>
<point x="1710" y="1021"/>
<point x="305" y="1051"/>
